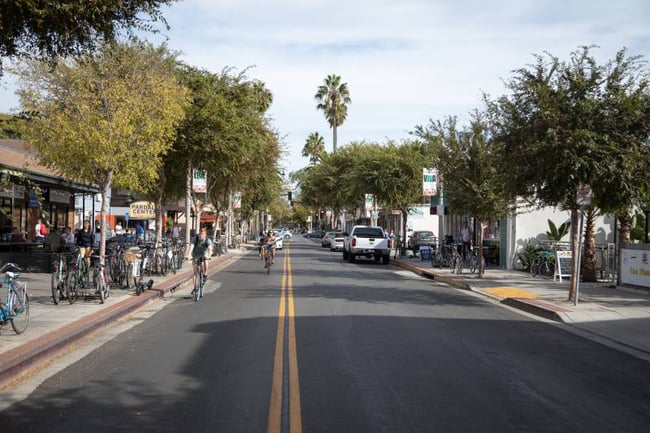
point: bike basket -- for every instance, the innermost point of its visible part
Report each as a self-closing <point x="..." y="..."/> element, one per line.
<point x="130" y="257"/>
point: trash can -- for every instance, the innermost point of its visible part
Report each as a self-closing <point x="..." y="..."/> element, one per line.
<point x="425" y="253"/>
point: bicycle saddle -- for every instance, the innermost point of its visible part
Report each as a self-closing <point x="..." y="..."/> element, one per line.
<point x="10" y="268"/>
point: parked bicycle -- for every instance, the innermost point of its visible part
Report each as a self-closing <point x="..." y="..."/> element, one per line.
<point x="77" y="280"/>
<point x="100" y="280"/>
<point x="543" y="264"/>
<point x="59" y="277"/>
<point x="16" y="307"/>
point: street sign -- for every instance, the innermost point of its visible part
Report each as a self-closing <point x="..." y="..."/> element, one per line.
<point x="126" y="217"/>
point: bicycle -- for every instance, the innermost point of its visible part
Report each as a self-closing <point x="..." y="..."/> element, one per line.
<point x="59" y="277"/>
<point x="268" y="256"/>
<point x="16" y="307"/>
<point x="456" y="261"/>
<point x="199" y="277"/>
<point x="543" y="265"/>
<point x="77" y="278"/>
<point x="100" y="280"/>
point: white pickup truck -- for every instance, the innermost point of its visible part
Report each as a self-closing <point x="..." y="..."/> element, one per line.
<point x="367" y="241"/>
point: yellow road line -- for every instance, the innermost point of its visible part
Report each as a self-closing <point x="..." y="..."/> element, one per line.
<point x="510" y="292"/>
<point x="277" y="388"/>
<point x="295" y="416"/>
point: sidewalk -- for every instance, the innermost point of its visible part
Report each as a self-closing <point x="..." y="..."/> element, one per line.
<point x="53" y="328"/>
<point x="615" y="314"/>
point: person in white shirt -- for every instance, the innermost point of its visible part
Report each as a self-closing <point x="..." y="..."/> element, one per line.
<point x="466" y="238"/>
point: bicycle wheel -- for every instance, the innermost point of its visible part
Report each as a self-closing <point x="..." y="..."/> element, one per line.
<point x="56" y="287"/>
<point x="198" y="277"/>
<point x="546" y="269"/>
<point x="99" y="286"/>
<point x="20" y="313"/>
<point x="473" y="262"/>
<point x="268" y="262"/>
<point x="459" y="265"/>
<point x="164" y="265"/>
<point x="71" y="287"/>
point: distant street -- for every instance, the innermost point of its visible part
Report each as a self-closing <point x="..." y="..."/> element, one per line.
<point x="322" y="345"/>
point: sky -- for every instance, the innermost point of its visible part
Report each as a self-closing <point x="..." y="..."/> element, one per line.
<point x="405" y="62"/>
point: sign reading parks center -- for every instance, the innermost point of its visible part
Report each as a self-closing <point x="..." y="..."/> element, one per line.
<point x="144" y="210"/>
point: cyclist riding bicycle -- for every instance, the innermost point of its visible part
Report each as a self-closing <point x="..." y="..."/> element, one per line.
<point x="269" y="242"/>
<point x="202" y="247"/>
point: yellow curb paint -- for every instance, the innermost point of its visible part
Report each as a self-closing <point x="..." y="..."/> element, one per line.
<point x="510" y="292"/>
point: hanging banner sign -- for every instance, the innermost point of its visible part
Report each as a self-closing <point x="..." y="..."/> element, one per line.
<point x="429" y="181"/>
<point x="369" y="199"/>
<point x="199" y="180"/>
<point x="236" y="200"/>
<point x="143" y="210"/>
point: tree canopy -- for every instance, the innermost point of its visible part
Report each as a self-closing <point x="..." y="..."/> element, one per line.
<point x="568" y="124"/>
<point x="333" y="98"/>
<point x="51" y="29"/>
<point x="105" y="119"/>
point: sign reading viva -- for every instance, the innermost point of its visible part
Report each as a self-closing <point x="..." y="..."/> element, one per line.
<point x="429" y="181"/>
<point x="144" y="210"/>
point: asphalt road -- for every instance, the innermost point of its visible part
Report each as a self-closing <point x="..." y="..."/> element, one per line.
<point x="322" y="345"/>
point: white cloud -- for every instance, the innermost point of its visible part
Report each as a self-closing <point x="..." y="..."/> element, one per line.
<point x="404" y="61"/>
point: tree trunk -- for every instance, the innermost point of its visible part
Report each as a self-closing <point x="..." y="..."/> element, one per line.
<point x="159" y="214"/>
<point x="625" y="227"/>
<point x="104" y="188"/>
<point x="573" y="290"/>
<point x="334" y="138"/>
<point x="479" y="245"/>
<point x="402" y="249"/>
<point x="589" y="247"/>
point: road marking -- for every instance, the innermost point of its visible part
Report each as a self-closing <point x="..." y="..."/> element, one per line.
<point x="286" y="385"/>
<point x="510" y="292"/>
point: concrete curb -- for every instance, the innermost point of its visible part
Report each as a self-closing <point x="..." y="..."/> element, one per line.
<point x="536" y="307"/>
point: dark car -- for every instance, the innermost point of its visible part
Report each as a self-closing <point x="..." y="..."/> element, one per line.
<point x="316" y="234"/>
<point x="421" y="238"/>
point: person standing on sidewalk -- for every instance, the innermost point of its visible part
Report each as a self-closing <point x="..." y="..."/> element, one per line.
<point x="85" y="242"/>
<point x="466" y="239"/>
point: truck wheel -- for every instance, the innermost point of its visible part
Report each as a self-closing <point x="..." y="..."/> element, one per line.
<point x="350" y="257"/>
<point x="385" y="259"/>
<point x="345" y="255"/>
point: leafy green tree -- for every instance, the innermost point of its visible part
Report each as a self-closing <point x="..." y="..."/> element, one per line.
<point x="466" y="161"/>
<point x="105" y="119"/>
<point x="11" y="126"/>
<point x="50" y="29"/>
<point x="314" y="147"/>
<point x="566" y="124"/>
<point x="333" y="98"/>
<point x="226" y="133"/>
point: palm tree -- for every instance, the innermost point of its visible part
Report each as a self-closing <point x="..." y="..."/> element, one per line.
<point x="333" y="97"/>
<point x="314" y="147"/>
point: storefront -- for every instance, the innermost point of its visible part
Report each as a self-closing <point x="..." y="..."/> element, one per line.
<point x="29" y="192"/>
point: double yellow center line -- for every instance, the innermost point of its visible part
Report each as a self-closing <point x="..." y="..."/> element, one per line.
<point x="284" y="408"/>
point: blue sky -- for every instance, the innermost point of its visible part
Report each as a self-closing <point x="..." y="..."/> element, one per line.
<point x="405" y="62"/>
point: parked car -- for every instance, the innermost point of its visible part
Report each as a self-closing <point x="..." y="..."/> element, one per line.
<point x="336" y="244"/>
<point x="280" y="239"/>
<point x="328" y="237"/>
<point x="316" y="234"/>
<point x="421" y="238"/>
